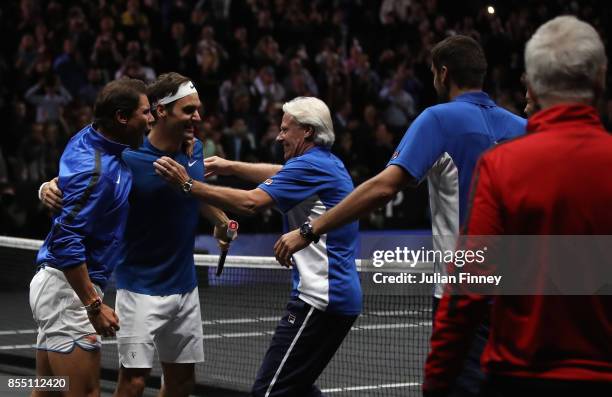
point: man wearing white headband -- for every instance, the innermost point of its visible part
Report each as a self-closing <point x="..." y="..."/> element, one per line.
<point x="157" y="296"/>
<point x="185" y="89"/>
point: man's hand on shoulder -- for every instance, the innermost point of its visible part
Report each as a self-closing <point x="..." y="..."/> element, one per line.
<point x="51" y="196"/>
<point x="171" y="171"/>
<point x="217" y="166"/>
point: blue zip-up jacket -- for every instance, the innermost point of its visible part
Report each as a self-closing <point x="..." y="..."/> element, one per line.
<point x="96" y="183"/>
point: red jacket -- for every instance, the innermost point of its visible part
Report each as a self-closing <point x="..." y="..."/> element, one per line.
<point x="555" y="180"/>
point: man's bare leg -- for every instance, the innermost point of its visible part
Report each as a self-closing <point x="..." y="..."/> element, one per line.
<point x="82" y="368"/>
<point x="179" y="380"/>
<point x="43" y="368"/>
<point x="132" y="382"/>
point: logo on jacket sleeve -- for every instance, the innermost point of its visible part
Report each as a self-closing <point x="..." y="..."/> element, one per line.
<point x="268" y="181"/>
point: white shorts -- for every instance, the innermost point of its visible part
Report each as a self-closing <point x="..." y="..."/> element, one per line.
<point x="170" y="324"/>
<point x="59" y="313"/>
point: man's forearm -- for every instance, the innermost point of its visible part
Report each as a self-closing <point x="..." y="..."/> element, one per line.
<point x="368" y="196"/>
<point x="233" y="200"/>
<point x="254" y="172"/>
<point x="360" y="202"/>
<point x="213" y="214"/>
<point x="78" y="278"/>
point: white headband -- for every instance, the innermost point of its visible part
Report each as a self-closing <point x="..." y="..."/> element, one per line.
<point x="187" y="88"/>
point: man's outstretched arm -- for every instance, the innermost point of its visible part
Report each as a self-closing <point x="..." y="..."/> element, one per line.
<point x="252" y="172"/>
<point x="368" y="196"/>
<point x="244" y="202"/>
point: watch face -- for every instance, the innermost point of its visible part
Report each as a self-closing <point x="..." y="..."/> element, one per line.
<point x="306" y="232"/>
<point x="187" y="186"/>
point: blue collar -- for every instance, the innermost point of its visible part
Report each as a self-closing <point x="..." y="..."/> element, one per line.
<point x="103" y="143"/>
<point x="478" y="98"/>
<point x="149" y="146"/>
<point x="146" y="144"/>
<point x="316" y="148"/>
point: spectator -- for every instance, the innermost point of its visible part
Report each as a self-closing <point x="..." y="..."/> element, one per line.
<point x="89" y="91"/>
<point x="382" y="149"/>
<point x="400" y="108"/>
<point x="300" y="81"/>
<point x="235" y="84"/>
<point x="269" y="151"/>
<point x="17" y="127"/>
<point x="239" y="47"/>
<point x="70" y="68"/>
<point x="343" y="117"/>
<point x="151" y="54"/>
<point x="48" y="96"/>
<point x="343" y="148"/>
<point x="32" y="157"/>
<point x="210" y="138"/>
<point x="238" y="142"/>
<point x="267" y="52"/>
<point x="179" y="53"/>
<point x="266" y="89"/>
<point x="364" y="134"/>
<point x="27" y="54"/>
<point x="340" y="51"/>
<point x="365" y="83"/>
<point x="207" y="40"/>
<point x="334" y="82"/>
<point x="399" y="8"/>
<point x="78" y="31"/>
<point x="106" y="55"/>
<point x="210" y="76"/>
<point x="132" y="17"/>
<point x="412" y="84"/>
<point x="132" y="68"/>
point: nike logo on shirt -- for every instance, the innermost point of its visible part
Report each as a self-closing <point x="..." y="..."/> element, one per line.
<point x="119" y="178"/>
<point x="190" y="163"/>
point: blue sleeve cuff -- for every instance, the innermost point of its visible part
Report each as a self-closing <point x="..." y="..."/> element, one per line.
<point x="406" y="168"/>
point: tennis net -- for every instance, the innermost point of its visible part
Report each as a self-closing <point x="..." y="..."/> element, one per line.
<point x="383" y="354"/>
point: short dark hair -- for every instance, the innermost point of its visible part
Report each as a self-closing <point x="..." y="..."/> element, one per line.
<point x="120" y="95"/>
<point x="166" y="84"/>
<point x="464" y="59"/>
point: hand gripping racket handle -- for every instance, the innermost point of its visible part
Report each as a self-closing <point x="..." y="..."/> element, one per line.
<point x="232" y="229"/>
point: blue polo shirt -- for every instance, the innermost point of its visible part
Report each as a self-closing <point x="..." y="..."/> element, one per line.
<point x="325" y="274"/>
<point x="451" y="137"/>
<point x="444" y="144"/>
<point x="159" y="237"/>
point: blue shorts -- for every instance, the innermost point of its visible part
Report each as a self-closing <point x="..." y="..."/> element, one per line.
<point x="304" y="342"/>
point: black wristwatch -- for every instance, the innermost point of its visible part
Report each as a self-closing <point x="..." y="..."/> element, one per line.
<point x="187" y="185"/>
<point x="308" y="234"/>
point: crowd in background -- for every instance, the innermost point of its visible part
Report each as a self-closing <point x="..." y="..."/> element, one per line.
<point x="367" y="59"/>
